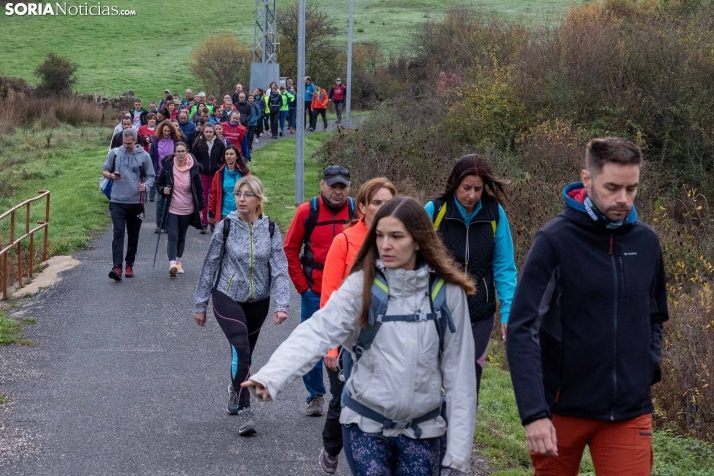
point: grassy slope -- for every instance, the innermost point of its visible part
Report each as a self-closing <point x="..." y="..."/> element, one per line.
<point x="148" y="54"/>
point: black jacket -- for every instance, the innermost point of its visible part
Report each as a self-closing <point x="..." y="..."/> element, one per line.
<point x="209" y="165"/>
<point x="166" y="179"/>
<point x="585" y="330"/>
<point x="473" y="248"/>
<point x="142" y="115"/>
<point x="245" y="112"/>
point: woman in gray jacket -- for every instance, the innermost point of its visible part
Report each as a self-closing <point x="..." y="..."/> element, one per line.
<point x="244" y="266"/>
<point x="405" y="286"/>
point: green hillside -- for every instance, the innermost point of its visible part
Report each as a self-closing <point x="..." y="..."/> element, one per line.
<point x="149" y="52"/>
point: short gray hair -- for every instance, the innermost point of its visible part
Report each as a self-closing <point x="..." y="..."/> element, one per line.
<point x="131" y="132"/>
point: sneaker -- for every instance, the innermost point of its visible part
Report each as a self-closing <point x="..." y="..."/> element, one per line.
<point x="157" y="230"/>
<point x="129" y="271"/>
<point x="152" y="200"/>
<point x="246" y="426"/>
<point x="232" y="407"/>
<point x="213" y="227"/>
<point x="311" y="129"/>
<point x="173" y="269"/>
<point x="256" y="140"/>
<point x="280" y="133"/>
<point x="180" y="267"/>
<point x="115" y="273"/>
<point x="328" y="463"/>
<point x="316" y="406"/>
<point x="204" y="230"/>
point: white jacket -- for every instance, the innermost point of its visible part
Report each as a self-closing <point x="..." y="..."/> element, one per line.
<point x="400" y="376"/>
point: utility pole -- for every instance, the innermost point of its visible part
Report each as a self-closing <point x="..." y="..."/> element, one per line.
<point x="300" y="112"/>
<point x="349" y="68"/>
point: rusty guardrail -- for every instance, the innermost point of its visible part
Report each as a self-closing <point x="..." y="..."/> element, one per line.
<point x="17" y="242"/>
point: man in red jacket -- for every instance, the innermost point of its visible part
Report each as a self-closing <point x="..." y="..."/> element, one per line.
<point x="233" y="130"/>
<point x="338" y="94"/>
<point x="307" y="242"/>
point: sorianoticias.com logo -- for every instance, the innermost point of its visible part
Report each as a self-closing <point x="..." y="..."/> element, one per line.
<point x="65" y="9"/>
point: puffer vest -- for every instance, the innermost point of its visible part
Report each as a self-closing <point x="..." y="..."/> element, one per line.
<point x="472" y="248"/>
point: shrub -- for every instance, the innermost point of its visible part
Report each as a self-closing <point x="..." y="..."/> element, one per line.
<point x="220" y="62"/>
<point x="20" y="110"/>
<point x="56" y="75"/>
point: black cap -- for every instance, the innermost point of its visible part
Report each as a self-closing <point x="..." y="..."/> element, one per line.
<point x="336" y="174"/>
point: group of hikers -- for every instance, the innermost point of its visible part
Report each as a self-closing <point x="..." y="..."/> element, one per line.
<point x="399" y="300"/>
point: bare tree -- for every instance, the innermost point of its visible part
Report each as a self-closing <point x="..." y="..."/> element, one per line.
<point x="220" y="62"/>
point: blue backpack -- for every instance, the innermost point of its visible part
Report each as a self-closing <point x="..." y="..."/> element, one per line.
<point x="441" y="316"/>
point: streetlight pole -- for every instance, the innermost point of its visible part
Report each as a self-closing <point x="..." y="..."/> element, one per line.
<point x="300" y="112"/>
<point x="349" y="68"/>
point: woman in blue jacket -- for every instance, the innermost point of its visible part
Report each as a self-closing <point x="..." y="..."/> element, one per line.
<point x="470" y="219"/>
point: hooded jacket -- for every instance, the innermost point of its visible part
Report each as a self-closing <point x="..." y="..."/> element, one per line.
<point x="133" y="167"/>
<point x="254" y="266"/>
<point x="215" y="201"/>
<point x="256" y="114"/>
<point x="246" y="112"/>
<point x="166" y="179"/>
<point x="319" y="100"/>
<point x="209" y="163"/>
<point x="585" y="331"/>
<point x="401" y="375"/>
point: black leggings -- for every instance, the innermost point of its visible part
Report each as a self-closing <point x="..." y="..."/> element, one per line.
<point x="241" y="323"/>
<point x="332" y="431"/>
<point x="177" y="226"/>
<point x="313" y="118"/>
<point x="274" y="116"/>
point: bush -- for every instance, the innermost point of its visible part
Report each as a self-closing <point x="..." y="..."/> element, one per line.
<point x="56" y="75"/>
<point x="220" y="62"/>
<point x="21" y="110"/>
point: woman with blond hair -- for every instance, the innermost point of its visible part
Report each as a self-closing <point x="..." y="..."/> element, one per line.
<point x="402" y="315"/>
<point x="244" y="266"/>
<point x="372" y="195"/>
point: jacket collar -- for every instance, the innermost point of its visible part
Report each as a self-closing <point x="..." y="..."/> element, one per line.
<point x="575" y="209"/>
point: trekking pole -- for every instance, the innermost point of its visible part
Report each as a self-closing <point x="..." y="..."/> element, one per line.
<point x="161" y="226"/>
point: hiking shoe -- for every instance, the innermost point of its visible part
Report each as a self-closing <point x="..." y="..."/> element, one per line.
<point x="115" y="273"/>
<point x="204" y="230"/>
<point x="328" y="463"/>
<point x="232" y="407"/>
<point x="213" y="227"/>
<point x="316" y="406"/>
<point x="129" y="271"/>
<point x="311" y="129"/>
<point x="180" y="267"/>
<point x="280" y="133"/>
<point x="173" y="269"/>
<point x="157" y="230"/>
<point x="246" y="425"/>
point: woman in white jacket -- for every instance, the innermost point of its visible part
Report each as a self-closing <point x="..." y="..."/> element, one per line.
<point x="393" y="415"/>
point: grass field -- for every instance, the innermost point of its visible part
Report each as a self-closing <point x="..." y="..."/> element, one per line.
<point x="149" y="53"/>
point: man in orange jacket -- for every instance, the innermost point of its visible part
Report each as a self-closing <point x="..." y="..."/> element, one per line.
<point x="306" y="244"/>
<point x="319" y="106"/>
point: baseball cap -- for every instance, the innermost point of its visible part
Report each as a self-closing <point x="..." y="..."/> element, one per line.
<point x="166" y="91"/>
<point x="338" y="79"/>
<point x="336" y="174"/>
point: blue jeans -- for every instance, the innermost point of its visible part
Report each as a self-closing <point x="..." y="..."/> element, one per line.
<point x="314" y="383"/>
<point x="291" y="118"/>
<point x="373" y="454"/>
<point x="283" y="116"/>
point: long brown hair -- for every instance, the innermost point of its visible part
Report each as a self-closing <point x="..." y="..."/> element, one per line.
<point x="431" y="250"/>
<point x="473" y="164"/>
<point x="159" y="134"/>
<point x="240" y="163"/>
<point x="369" y="189"/>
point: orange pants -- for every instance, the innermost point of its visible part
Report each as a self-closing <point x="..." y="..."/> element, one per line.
<point x="617" y="447"/>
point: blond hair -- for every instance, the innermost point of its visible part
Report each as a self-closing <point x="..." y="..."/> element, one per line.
<point x="256" y="187"/>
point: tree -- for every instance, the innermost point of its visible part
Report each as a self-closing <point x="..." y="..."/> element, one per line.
<point x="56" y="75"/>
<point x="323" y="59"/>
<point x="220" y="63"/>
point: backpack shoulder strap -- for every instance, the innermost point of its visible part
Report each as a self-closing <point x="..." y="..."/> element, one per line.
<point x="352" y="209"/>
<point x="439" y="212"/>
<point x="311" y="219"/>
<point x="226" y="232"/>
<point x="378" y="307"/>
<point x="496" y="216"/>
<point x="271" y="228"/>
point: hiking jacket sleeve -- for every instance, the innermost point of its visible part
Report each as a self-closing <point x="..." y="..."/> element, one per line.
<point x="209" y="270"/>
<point x="293" y="247"/>
<point x="504" y="265"/>
<point x="531" y="302"/>
<point x="279" y="281"/>
<point x="658" y="315"/>
<point x="148" y="170"/>
<point x="334" y="272"/>
<point x="459" y="380"/>
<point x="215" y="198"/>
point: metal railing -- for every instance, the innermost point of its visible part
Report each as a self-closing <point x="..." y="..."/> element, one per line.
<point x="17" y="242"/>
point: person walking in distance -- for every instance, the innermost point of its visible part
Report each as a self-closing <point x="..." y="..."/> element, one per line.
<point x="309" y="91"/>
<point x="471" y="222"/>
<point x="315" y="225"/>
<point x="275" y="102"/>
<point x="585" y="332"/>
<point x="180" y="184"/>
<point x="222" y="200"/>
<point x="319" y="106"/>
<point x="338" y="94"/>
<point x="403" y="316"/>
<point x="208" y="151"/>
<point x="253" y="122"/>
<point x="163" y="145"/>
<point x="130" y="169"/>
<point x="245" y="266"/>
<point x="372" y="195"/>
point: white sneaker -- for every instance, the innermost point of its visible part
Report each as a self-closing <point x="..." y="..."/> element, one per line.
<point x="180" y="267"/>
<point x="173" y="269"/>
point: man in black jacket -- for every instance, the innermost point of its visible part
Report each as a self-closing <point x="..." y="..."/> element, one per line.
<point x="585" y="330"/>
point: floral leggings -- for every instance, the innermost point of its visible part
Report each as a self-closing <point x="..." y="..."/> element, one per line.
<point x="373" y="454"/>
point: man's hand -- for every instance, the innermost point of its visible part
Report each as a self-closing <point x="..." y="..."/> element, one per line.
<point x="142" y="187"/>
<point x="167" y="190"/>
<point x="541" y="439"/>
<point x="200" y="318"/>
<point x="260" y="391"/>
<point x="331" y="362"/>
<point x="280" y="317"/>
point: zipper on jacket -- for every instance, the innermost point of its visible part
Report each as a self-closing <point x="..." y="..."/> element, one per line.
<point x="467" y="254"/>
<point x="230" y="281"/>
<point x="622" y="276"/>
<point x="614" y="337"/>
<point x="250" y="268"/>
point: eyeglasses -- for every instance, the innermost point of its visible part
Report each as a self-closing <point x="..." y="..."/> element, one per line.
<point x="246" y="195"/>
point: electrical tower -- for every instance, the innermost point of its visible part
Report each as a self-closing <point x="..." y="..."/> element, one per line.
<point x="265" y="67"/>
